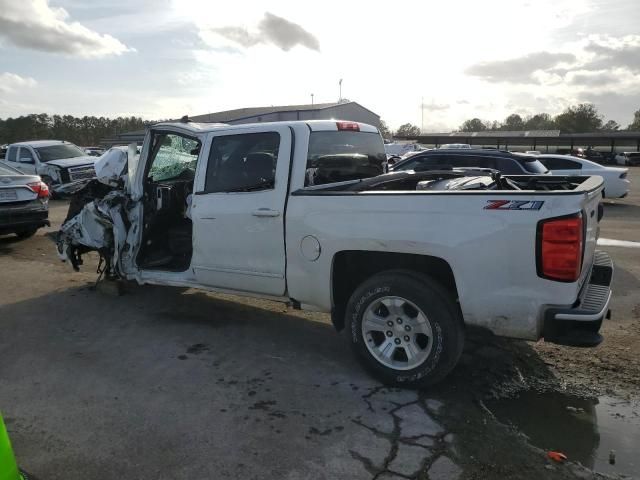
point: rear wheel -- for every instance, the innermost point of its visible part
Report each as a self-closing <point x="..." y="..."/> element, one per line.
<point x="30" y="232"/>
<point x="405" y="328"/>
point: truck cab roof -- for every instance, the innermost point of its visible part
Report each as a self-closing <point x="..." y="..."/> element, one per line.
<point x="313" y="125"/>
<point x="40" y="143"/>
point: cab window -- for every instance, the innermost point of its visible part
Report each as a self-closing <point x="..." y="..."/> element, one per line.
<point x="25" y="156"/>
<point x="339" y="156"/>
<point x="12" y="154"/>
<point x="242" y="163"/>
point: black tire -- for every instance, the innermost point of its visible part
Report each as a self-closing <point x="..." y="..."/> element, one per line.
<point x="26" y="233"/>
<point x="440" y="310"/>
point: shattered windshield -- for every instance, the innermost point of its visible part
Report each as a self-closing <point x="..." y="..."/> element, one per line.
<point x="176" y="156"/>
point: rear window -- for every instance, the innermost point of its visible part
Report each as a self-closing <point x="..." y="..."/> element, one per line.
<point x="342" y="156"/>
<point x="12" y="154"/>
<point x="533" y="165"/>
<point x="633" y="155"/>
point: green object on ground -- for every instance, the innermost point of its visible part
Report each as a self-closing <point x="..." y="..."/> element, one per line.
<point x="8" y="466"/>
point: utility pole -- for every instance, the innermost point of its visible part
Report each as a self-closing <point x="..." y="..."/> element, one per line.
<point x="422" y="113"/>
<point x="340" y="89"/>
<point x="312" y="99"/>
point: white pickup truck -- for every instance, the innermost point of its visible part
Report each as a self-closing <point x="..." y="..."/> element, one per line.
<point x="300" y="212"/>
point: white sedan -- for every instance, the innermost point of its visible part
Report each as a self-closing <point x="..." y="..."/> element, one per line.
<point x="616" y="184"/>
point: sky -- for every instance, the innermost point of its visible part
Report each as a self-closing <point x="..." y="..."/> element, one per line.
<point x="434" y="64"/>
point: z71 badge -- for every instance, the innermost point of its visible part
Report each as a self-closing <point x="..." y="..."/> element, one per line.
<point x="514" y="204"/>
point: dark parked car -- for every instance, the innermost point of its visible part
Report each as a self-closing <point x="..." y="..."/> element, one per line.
<point x="505" y="162"/>
<point x="24" y="202"/>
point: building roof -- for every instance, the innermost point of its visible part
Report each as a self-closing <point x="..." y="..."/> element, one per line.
<point x="241" y="113"/>
<point x="498" y="134"/>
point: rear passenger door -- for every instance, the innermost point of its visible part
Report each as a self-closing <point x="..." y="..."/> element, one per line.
<point x="238" y="210"/>
<point x="11" y="158"/>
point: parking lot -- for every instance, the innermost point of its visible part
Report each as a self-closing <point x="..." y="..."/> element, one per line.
<point x="171" y="383"/>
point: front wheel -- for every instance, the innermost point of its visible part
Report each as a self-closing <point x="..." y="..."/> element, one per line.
<point x="405" y="328"/>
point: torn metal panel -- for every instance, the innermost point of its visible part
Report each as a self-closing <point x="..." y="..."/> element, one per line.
<point x="99" y="226"/>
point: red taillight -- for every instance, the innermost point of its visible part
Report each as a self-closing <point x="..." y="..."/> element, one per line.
<point x="349" y="126"/>
<point x="40" y="188"/>
<point x="560" y="248"/>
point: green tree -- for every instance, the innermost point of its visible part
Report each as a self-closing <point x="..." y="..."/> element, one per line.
<point x="582" y="118"/>
<point x="407" y="130"/>
<point x="384" y="129"/>
<point x="611" y="126"/>
<point x="513" y="122"/>
<point x="473" y="125"/>
<point x="83" y="131"/>
<point x="635" y="125"/>
<point x="539" y="121"/>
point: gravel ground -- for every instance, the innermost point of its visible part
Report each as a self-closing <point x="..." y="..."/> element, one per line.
<point x="173" y="383"/>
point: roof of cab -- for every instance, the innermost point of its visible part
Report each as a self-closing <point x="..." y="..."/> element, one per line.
<point x="212" y="127"/>
<point x="40" y="143"/>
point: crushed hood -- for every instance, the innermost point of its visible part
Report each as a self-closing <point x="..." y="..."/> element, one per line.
<point x="111" y="167"/>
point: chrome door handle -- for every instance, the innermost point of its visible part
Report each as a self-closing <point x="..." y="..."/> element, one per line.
<point x="265" y="212"/>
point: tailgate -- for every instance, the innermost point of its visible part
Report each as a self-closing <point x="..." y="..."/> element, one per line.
<point x="592" y="211"/>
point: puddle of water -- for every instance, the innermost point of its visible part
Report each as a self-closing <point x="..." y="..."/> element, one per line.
<point x="585" y="430"/>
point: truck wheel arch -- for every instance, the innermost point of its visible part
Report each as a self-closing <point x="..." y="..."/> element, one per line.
<point x="352" y="267"/>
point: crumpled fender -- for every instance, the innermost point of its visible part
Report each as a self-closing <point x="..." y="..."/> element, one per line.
<point x="99" y="226"/>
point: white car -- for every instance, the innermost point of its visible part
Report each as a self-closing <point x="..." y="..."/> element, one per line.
<point x="616" y="184"/>
<point x="628" y="158"/>
<point x="455" y="146"/>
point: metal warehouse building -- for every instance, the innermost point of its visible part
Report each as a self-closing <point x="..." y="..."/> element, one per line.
<point x="320" y="111"/>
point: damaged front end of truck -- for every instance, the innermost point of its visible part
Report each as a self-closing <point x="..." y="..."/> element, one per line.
<point x="97" y="219"/>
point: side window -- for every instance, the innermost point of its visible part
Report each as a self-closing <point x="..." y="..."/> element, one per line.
<point x="554" y="163"/>
<point x="508" y="166"/>
<point x="11" y="154"/>
<point x="173" y="157"/>
<point x="481" y="162"/>
<point x="242" y="163"/>
<point x="571" y="165"/>
<point x="423" y="163"/>
<point x="25" y="156"/>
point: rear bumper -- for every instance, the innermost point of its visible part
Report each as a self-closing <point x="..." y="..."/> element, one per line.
<point x="19" y="218"/>
<point x="579" y="324"/>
